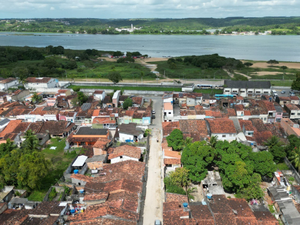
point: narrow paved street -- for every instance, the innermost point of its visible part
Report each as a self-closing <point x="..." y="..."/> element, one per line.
<point x="154" y="202"/>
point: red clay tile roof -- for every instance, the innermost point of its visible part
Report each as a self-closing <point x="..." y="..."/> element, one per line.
<point x="246" y="221"/>
<point x="202" y="214"/>
<point x="241" y="207"/>
<point x="101" y="210"/>
<point x="248" y="125"/>
<point x="130" y="151"/>
<point x="131" y="170"/>
<point x="224" y="219"/>
<point x="265" y="217"/>
<point x="7" y="80"/>
<point x="172" y="154"/>
<point x="101" y="143"/>
<point x="269" y="105"/>
<point x="82" y="177"/>
<point x="168" y="127"/>
<point x="124" y="200"/>
<point x="137" y="100"/>
<point x="291" y="107"/>
<point x="171" y="197"/>
<point x="195" y="129"/>
<point x="95" y="196"/>
<point x="11" y="126"/>
<point x="231" y="112"/>
<point x="221" y="126"/>
<point x="42" y="111"/>
<point x="247" y="113"/>
<point x="123" y="184"/>
<point x="239" y="107"/>
<point x="294" y="98"/>
<point x="103" y="120"/>
<point x="38" y="79"/>
<point x="10" y="216"/>
<point x="172" y="161"/>
<point x="103" y="221"/>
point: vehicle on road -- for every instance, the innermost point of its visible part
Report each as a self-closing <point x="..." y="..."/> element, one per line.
<point x="157" y="222"/>
<point x="282" y="92"/>
<point x="153" y="112"/>
<point x="153" y="117"/>
<point x="292" y="94"/>
<point x="205" y="86"/>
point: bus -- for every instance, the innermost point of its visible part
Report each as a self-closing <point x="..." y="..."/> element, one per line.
<point x="205" y="86"/>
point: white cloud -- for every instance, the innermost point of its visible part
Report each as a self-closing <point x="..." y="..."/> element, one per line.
<point x="52" y="8"/>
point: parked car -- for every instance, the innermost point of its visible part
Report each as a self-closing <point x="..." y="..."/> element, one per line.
<point x="153" y="117"/>
<point x="282" y="92"/>
<point x="153" y="112"/>
<point x="157" y="222"/>
<point x="292" y="94"/>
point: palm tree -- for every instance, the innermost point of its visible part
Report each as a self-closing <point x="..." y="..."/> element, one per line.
<point x="31" y="142"/>
<point x="295" y="158"/>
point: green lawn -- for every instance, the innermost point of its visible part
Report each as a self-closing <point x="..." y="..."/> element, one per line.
<point x="59" y="163"/>
<point x="282" y="166"/>
<point x="183" y="71"/>
<point x="286" y="83"/>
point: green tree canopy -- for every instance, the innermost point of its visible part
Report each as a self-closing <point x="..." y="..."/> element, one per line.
<point x="276" y="148"/>
<point x="175" y="140"/>
<point x="264" y="164"/>
<point x="296" y="83"/>
<point x="114" y="77"/>
<point x="180" y="177"/>
<point x="273" y="62"/>
<point x="127" y="103"/>
<point x="36" y="98"/>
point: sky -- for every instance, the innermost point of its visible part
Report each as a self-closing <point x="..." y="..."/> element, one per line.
<point x="147" y="8"/>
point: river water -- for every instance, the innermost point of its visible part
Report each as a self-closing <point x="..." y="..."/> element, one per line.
<point x="262" y="47"/>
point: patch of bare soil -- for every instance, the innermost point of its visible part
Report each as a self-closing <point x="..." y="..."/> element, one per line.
<point x="291" y="65"/>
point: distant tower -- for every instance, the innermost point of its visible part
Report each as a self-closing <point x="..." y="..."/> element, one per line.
<point x="132" y="27"/>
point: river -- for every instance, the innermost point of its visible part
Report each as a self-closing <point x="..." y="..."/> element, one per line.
<point x="261" y="47"/>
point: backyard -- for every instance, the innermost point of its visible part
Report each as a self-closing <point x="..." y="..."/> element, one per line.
<point x="59" y="163"/>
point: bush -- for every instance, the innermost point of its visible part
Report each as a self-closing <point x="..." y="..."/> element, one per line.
<point x="52" y="194"/>
<point x="291" y="179"/>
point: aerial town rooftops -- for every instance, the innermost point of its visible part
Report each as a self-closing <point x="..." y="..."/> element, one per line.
<point x="221" y="126"/>
<point x="38" y="79"/>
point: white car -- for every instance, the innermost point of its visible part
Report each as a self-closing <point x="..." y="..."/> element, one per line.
<point x="153" y="112"/>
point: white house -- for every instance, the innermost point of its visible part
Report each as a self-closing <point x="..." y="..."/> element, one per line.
<point x="99" y="95"/>
<point x="293" y="110"/>
<point x="168" y="97"/>
<point x="168" y="112"/>
<point x="124" y="153"/>
<point x="247" y="88"/>
<point x="129" y="133"/>
<point x="222" y="128"/>
<point x="41" y="82"/>
<point x="115" y="98"/>
<point x="7" y="83"/>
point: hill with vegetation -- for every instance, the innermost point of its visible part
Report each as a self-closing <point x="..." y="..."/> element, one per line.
<point x="278" y="25"/>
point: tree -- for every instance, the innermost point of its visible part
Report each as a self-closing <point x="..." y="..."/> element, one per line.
<point x="50" y="63"/>
<point x="264" y="164"/>
<point x="114" y="76"/>
<point x="283" y="69"/>
<point x="248" y="64"/>
<point x="7" y="147"/>
<point x="295" y="157"/>
<point x="296" y="83"/>
<point x="36" y="98"/>
<point x="82" y="98"/>
<point x="175" y="140"/>
<point x="180" y="177"/>
<point x="31" y="142"/>
<point x="76" y="89"/>
<point x="272" y="62"/>
<point x="127" y="103"/>
<point x="196" y="157"/>
<point x="276" y="148"/>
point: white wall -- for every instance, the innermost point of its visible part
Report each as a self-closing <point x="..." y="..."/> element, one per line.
<point x="124" y="158"/>
<point x="228" y="137"/>
<point x="123" y="137"/>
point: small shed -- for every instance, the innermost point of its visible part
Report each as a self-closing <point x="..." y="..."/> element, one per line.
<point x="79" y="162"/>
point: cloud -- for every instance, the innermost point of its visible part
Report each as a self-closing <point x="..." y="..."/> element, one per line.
<point x="147" y="8"/>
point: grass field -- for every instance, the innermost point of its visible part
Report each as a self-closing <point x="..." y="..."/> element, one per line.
<point x="183" y="71"/>
<point x="206" y="91"/>
<point x="59" y="163"/>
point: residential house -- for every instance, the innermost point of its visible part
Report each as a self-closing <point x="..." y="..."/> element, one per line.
<point x="6" y="193"/>
<point x="67" y="116"/>
<point x="137" y="101"/>
<point x="239" y="111"/>
<point x="168" y="127"/>
<point x="3" y="123"/>
<point x="115" y="98"/>
<point x="3" y="97"/>
<point x="87" y="136"/>
<point x="42" y="114"/>
<point x="247" y="88"/>
<point x="168" y="112"/>
<point x="223" y="129"/>
<point x="293" y="111"/>
<point x="107" y="102"/>
<point x="283" y="100"/>
<point x="261" y="133"/>
<point x="104" y="122"/>
<point x="101" y="145"/>
<point x="126" y="116"/>
<point x="168" y="97"/>
<point x="122" y="98"/>
<point x="290" y="127"/>
<point x="99" y="95"/>
<point x="41" y="82"/>
<point x="8" y="83"/>
<point x="279" y="112"/>
<point x="19" y="95"/>
<point x="123" y="153"/>
<point x="130" y="133"/>
<point x="51" y="101"/>
<point x="64" y="92"/>
<point x="195" y="129"/>
<point x="271" y="110"/>
<point x="172" y="159"/>
<point x="295" y="100"/>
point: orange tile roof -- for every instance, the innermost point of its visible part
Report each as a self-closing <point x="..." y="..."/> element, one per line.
<point x="95" y="196"/>
<point x="221" y="126"/>
<point x="96" y="112"/>
<point x="172" y="154"/>
<point x="103" y="120"/>
<point x="247" y="113"/>
<point x="127" y="150"/>
<point x="168" y="106"/>
<point x="11" y="126"/>
<point x="172" y="161"/>
<point x="101" y="143"/>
